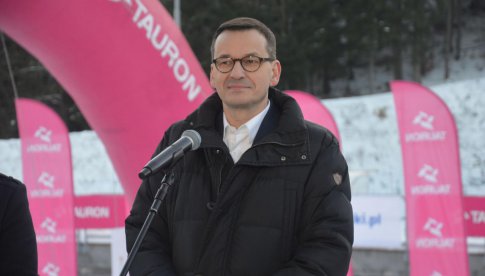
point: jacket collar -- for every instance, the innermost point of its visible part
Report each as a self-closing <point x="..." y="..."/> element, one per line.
<point x="283" y="125"/>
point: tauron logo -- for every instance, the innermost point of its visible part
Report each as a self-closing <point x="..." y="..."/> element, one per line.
<point x="51" y="270"/>
<point x="424" y="120"/>
<point x="126" y="1"/>
<point x="49" y="225"/>
<point x="436" y="273"/>
<point x="163" y="43"/>
<point x="477" y="216"/>
<point x="434" y="227"/>
<point x="428" y="173"/>
<point x="46" y="179"/>
<point x="43" y="134"/>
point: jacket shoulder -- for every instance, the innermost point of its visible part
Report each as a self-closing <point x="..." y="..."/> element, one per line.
<point x="321" y="135"/>
<point x="10" y="189"/>
<point x="176" y="129"/>
<point x="8" y="182"/>
<point x="329" y="159"/>
<point x="172" y="134"/>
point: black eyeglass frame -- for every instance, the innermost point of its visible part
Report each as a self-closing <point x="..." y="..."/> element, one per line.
<point x="234" y="60"/>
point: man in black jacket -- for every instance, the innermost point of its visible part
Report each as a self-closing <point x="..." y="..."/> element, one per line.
<point x="18" y="247"/>
<point x="267" y="193"/>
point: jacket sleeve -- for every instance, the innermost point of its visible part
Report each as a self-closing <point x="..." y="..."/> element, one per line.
<point x="325" y="236"/>
<point x="18" y="247"/>
<point x="154" y="255"/>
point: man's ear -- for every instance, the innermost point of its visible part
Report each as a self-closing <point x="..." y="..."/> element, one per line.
<point x="275" y="73"/>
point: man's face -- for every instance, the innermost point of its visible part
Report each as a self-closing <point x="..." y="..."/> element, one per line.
<point x="237" y="88"/>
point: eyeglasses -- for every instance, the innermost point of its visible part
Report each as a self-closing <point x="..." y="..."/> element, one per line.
<point x="248" y="63"/>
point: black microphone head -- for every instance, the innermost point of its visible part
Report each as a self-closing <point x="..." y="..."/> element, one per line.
<point x="194" y="136"/>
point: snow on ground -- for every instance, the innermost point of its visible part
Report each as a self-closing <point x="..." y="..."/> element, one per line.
<point x="370" y="137"/>
<point x="369" y="133"/>
<point x="370" y="142"/>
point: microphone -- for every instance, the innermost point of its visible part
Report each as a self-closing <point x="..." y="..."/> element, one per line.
<point x="190" y="140"/>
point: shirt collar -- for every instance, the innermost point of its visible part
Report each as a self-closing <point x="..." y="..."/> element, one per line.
<point x="252" y="125"/>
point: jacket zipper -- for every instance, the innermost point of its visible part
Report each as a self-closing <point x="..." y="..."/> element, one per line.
<point x="219" y="192"/>
<point x="208" y="233"/>
<point x="219" y="184"/>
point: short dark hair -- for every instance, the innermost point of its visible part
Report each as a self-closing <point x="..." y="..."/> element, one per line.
<point x="247" y="23"/>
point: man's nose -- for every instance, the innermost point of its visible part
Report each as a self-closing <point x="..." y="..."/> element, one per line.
<point x="237" y="71"/>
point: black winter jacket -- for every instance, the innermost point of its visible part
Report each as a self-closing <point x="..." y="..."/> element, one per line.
<point x="282" y="209"/>
<point x="18" y="246"/>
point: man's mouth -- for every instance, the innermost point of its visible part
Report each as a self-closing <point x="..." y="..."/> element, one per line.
<point x="237" y="86"/>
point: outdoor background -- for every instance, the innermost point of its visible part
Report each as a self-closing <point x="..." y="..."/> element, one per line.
<point x="329" y="48"/>
<point x="336" y="50"/>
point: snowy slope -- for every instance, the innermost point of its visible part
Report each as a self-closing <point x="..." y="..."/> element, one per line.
<point x="370" y="137"/>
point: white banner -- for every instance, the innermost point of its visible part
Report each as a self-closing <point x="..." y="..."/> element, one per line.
<point x="379" y="222"/>
<point x="118" y="250"/>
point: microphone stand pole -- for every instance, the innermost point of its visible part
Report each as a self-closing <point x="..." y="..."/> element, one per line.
<point x="159" y="196"/>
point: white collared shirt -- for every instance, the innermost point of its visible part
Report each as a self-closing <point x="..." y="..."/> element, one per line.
<point x="239" y="140"/>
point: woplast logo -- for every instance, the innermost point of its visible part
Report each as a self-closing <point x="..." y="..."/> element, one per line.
<point x="46" y="179"/>
<point x="425" y="123"/>
<point x="433" y="230"/>
<point x="424" y="120"/>
<point x="46" y="186"/>
<point x="434" y="227"/>
<point x="50" y="233"/>
<point x="51" y="269"/>
<point x="428" y="173"/>
<point x="430" y="182"/>
<point x="43" y="136"/>
<point x="49" y="225"/>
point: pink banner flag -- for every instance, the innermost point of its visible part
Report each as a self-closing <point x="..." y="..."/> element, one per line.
<point x="314" y="111"/>
<point x="474" y="207"/>
<point x="350" y="272"/>
<point x="429" y="143"/>
<point x="47" y="173"/>
<point x="125" y="63"/>
<point x="99" y="211"/>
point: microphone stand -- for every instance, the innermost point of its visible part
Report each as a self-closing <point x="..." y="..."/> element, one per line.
<point x="157" y="201"/>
